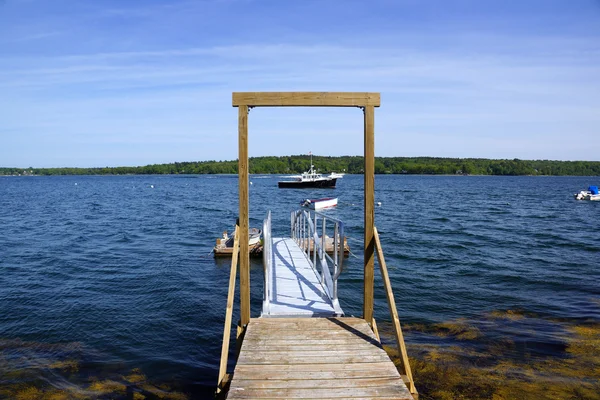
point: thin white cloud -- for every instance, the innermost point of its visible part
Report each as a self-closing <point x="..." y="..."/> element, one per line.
<point x="503" y="97"/>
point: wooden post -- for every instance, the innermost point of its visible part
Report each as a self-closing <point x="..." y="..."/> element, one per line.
<point x="244" y="222"/>
<point x="369" y="211"/>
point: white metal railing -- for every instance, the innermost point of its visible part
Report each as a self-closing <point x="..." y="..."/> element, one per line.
<point x="267" y="259"/>
<point x="305" y="228"/>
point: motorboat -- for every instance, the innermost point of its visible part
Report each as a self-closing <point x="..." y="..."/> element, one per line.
<point x="309" y="179"/>
<point x="320" y="204"/>
<point x="224" y="245"/>
<point x="590" y="194"/>
<point x="336" y="175"/>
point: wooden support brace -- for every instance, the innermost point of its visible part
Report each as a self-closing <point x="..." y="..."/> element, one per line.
<point x="229" y="310"/>
<point x="375" y="330"/>
<point x="394" y="313"/>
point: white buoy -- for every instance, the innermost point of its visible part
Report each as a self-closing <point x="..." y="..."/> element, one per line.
<point x="378" y="204"/>
<point x="152" y="186"/>
<point x="75" y="183"/>
<point x="251" y="183"/>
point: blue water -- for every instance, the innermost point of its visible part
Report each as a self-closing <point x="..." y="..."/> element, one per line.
<point x="115" y="272"/>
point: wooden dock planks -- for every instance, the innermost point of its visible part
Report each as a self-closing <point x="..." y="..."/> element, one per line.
<point x="309" y="358"/>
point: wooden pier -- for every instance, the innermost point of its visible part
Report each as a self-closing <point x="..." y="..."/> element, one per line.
<point x="302" y="346"/>
<point x="314" y="358"/>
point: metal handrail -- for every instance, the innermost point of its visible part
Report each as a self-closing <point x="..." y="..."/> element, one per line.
<point x="305" y="231"/>
<point x="267" y="259"/>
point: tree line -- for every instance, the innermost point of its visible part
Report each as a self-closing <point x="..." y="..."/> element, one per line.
<point x="350" y="164"/>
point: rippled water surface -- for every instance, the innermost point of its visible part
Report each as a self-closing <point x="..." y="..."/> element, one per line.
<point x="109" y="278"/>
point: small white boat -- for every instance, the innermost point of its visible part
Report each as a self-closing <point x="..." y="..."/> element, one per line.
<point x="590" y="194"/>
<point x="336" y="175"/>
<point x="320" y="204"/>
<point x="253" y="238"/>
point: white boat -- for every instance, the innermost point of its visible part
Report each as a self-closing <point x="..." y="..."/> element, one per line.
<point x="253" y="238"/>
<point x="590" y="194"/>
<point x="320" y="204"/>
<point x="309" y="179"/>
<point x="336" y="175"/>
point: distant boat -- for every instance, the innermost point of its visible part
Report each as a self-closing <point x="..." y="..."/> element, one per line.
<point x="336" y="175"/>
<point x="590" y="194"/>
<point x="309" y="179"/>
<point x="320" y="204"/>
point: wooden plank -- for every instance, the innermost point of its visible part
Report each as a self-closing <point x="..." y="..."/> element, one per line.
<point x="305" y="99"/>
<point x="244" y="222"/>
<point x="293" y="328"/>
<point x="228" y="311"/>
<point x="325" y="334"/>
<point x="305" y="368"/>
<point x="394" y="391"/>
<point x="266" y="346"/>
<point x="322" y="353"/>
<point x="258" y="372"/>
<point x="369" y="245"/>
<point x="244" y="358"/>
<point x="394" y="312"/>
<point x="312" y="383"/>
<point x="314" y="322"/>
<point x="327" y="341"/>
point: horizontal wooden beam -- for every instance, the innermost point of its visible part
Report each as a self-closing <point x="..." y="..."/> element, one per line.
<point x="306" y="99"/>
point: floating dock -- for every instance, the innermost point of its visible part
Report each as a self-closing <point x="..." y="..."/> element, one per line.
<point x="256" y="250"/>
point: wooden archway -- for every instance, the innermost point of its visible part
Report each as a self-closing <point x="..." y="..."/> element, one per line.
<point x="366" y="101"/>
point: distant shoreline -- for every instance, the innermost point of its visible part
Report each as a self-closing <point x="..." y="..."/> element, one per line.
<point x="348" y="164"/>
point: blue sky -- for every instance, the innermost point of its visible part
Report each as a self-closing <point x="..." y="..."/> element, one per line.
<point x="111" y="83"/>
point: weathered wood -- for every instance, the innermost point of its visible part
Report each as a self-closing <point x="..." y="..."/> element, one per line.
<point x="292" y="324"/>
<point x="337" y="368"/>
<point x="316" y="371"/>
<point x="315" y="323"/>
<point x="305" y="99"/>
<point x="327" y="333"/>
<point x="236" y="392"/>
<point x="291" y="330"/>
<point x="375" y="330"/>
<point x="244" y="221"/>
<point x="309" y="384"/>
<point x="330" y="340"/>
<point x="394" y="312"/>
<point x="346" y="361"/>
<point x="369" y="179"/>
<point x="325" y="345"/>
<point x="228" y="312"/>
<point x="282" y="358"/>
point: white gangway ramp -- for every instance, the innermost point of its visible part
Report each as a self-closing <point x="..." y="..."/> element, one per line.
<point x="294" y="285"/>
<point x="296" y="290"/>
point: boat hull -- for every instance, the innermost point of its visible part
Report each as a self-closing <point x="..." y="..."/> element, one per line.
<point x="325" y="183"/>
<point x="586" y="195"/>
<point x="320" y="204"/>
